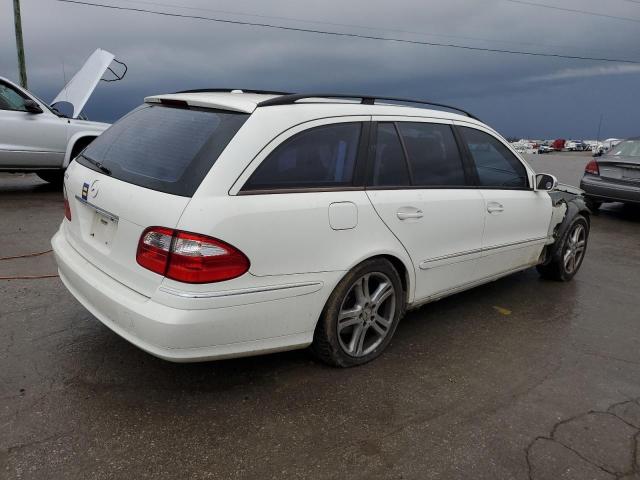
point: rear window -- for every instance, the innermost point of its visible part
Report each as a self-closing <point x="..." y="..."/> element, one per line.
<point x="628" y="148"/>
<point x="164" y="148"/>
<point x="319" y="157"/>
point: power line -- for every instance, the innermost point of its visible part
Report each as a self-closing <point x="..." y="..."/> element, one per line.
<point x="350" y="25"/>
<point x="572" y="10"/>
<point x="345" y="34"/>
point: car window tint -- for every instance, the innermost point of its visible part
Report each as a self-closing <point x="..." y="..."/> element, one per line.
<point x="319" y="157"/>
<point x="433" y="154"/>
<point x="496" y="165"/>
<point x="389" y="165"/>
<point x="10" y="99"/>
<point x="163" y="148"/>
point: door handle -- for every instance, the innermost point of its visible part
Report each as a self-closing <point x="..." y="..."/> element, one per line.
<point x="495" y="207"/>
<point x="405" y="215"/>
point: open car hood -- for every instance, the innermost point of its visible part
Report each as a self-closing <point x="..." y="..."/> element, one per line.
<point x="84" y="82"/>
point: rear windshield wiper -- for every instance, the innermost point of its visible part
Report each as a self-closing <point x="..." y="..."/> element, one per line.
<point x="97" y="164"/>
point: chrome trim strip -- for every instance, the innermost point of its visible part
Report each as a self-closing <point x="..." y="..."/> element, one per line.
<point x="512" y="244"/>
<point x="241" y="291"/>
<point x="95" y="207"/>
<point x="425" y="264"/>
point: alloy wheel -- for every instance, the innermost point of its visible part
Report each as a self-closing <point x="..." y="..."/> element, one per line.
<point x="574" y="249"/>
<point x="366" y="314"/>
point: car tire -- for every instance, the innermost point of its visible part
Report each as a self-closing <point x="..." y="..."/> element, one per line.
<point x="361" y="315"/>
<point x="568" y="254"/>
<point x="54" y="177"/>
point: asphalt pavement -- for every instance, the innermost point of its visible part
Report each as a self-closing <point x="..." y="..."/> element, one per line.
<point x="519" y="379"/>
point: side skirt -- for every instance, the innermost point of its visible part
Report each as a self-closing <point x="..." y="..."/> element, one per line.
<point x="468" y="286"/>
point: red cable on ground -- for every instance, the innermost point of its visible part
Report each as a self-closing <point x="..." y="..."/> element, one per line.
<point x="26" y="255"/>
<point x="27" y="277"/>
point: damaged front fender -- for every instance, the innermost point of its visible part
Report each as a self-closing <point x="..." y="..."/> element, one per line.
<point x="567" y="202"/>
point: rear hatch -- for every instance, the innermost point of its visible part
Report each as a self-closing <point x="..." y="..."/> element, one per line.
<point x="622" y="163"/>
<point x="141" y="172"/>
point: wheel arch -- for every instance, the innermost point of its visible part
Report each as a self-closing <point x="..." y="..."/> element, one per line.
<point x="77" y="142"/>
<point x="403" y="266"/>
<point x="575" y="207"/>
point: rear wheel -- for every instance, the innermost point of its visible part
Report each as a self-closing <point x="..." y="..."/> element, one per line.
<point x="569" y="253"/>
<point x="360" y="316"/>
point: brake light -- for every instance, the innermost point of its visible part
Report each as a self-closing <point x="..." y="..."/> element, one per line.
<point x="592" y="168"/>
<point x="67" y="207"/>
<point x="189" y="257"/>
<point x="153" y="249"/>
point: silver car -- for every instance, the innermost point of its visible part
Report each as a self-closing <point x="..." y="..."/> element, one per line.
<point x="37" y="137"/>
<point x="615" y="176"/>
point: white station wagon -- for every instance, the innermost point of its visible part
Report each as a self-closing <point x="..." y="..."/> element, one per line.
<point x="211" y="224"/>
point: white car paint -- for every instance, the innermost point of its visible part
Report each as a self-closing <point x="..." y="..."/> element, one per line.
<point x="45" y="140"/>
<point x="300" y="243"/>
<point x="78" y="90"/>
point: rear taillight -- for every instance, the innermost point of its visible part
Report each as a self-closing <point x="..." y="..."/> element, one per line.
<point x="592" y="168"/>
<point x="189" y="257"/>
<point x="67" y="207"/>
<point x="153" y="249"/>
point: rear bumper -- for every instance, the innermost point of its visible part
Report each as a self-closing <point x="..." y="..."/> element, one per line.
<point x="602" y="189"/>
<point x="184" y="334"/>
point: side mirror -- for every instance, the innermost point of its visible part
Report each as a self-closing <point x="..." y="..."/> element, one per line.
<point x="31" y="106"/>
<point x="547" y="182"/>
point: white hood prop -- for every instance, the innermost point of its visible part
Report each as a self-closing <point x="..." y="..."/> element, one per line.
<point x="84" y="82"/>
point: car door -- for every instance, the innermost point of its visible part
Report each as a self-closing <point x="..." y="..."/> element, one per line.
<point x="300" y="206"/>
<point x="29" y="140"/>
<point x="517" y="216"/>
<point x="420" y="188"/>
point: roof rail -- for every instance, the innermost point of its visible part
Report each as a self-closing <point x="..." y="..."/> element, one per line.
<point x="229" y="90"/>
<point x="364" y="99"/>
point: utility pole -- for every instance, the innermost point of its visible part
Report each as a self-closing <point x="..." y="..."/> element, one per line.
<point x="19" y="44"/>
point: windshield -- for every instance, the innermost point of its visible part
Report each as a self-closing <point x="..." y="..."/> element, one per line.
<point x="163" y="148"/>
<point x="628" y="148"/>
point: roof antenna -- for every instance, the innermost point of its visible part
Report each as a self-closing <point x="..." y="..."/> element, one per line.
<point x="64" y="76"/>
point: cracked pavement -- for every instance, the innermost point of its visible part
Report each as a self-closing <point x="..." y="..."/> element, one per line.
<point x="518" y="379"/>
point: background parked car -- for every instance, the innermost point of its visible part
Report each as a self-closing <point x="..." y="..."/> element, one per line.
<point x="615" y="176"/>
<point x="37" y="137"/>
<point x="545" y="149"/>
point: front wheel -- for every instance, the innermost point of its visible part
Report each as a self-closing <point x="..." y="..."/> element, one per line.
<point x="568" y="255"/>
<point x="360" y="316"/>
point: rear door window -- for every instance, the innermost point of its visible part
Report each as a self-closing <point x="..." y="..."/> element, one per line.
<point x="164" y="148"/>
<point x="319" y="157"/>
<point x="496" y="166"/>
<point x="389" y="167"/>
<point x="433" y="154"/>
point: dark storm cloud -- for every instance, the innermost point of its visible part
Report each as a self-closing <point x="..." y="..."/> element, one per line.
<point x="522" y="96"/>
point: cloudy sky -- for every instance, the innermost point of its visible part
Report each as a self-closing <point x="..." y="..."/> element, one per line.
<point x="521" y="96"/>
